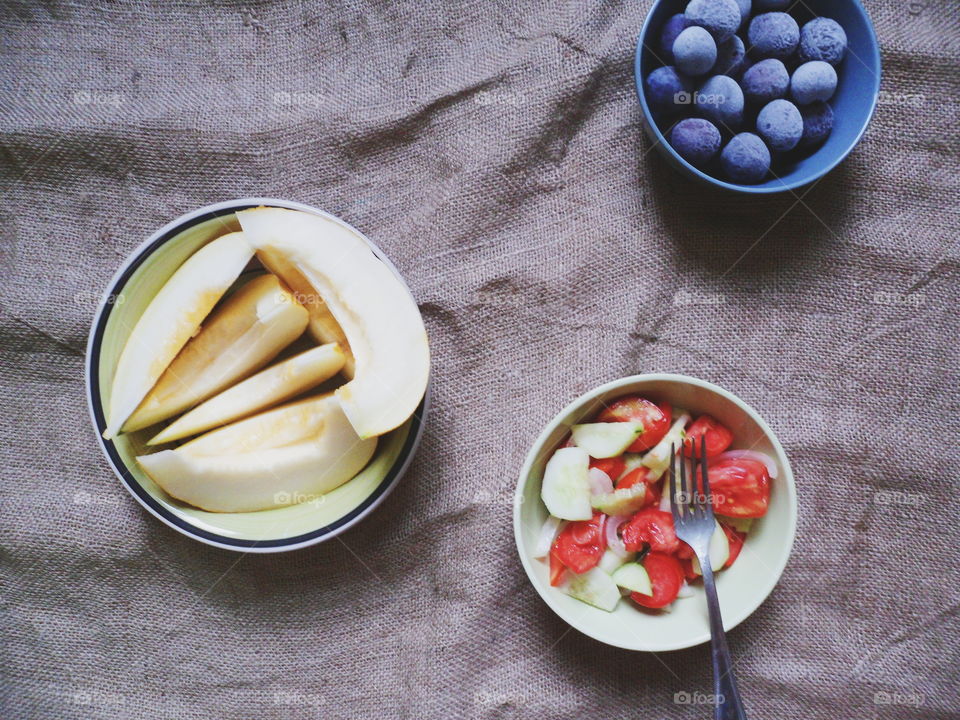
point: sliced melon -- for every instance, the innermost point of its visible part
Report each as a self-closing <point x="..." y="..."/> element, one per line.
<point x="282" y="426"/>
<point x="606" y="440"/>
<point x="275" y="384"/>
<point x="621" y="502"/>
<point x="566" y="488"/>
<point x="252" y="326"/>
<point x="593" y="587"/>
<point x="171" y="319"/>
<point x="719" y="551"/>
<point x="282" y="457"/>
<point x="380" y="320"/>
<point x="633" y="576"/>
<point x="323" y="325"/>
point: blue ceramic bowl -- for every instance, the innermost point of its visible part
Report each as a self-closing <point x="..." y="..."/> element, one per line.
<point x="853" y="104"/>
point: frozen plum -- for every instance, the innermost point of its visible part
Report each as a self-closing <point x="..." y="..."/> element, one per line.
<point x="695" y="51"/>
<point x="696" y="140"/>
<point x="767" y="80"/>
<point x="745" y="159"/>
<point x="815" y="81"/>
<point x="780" y="124"/>
<point x="720" y="100"/>
<point x="720" y="17"/>
<point x="773" y="35"/>
<point x="664" y="85"/>
<point x="823" y="39"/>
<point x="817" y="124"/>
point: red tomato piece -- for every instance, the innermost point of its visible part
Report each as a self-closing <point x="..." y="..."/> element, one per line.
<point x="557" y="570"/>
<point x="685" y="552"/>
<point x="642" y="475"/>
<point x="735" y="538"/>
<point x="614" y="467"/>
<point x="739" y="487"/>
<point x="637" y="475"/>
<point x="633" y="408"/>
<point x="580" y="545"/>
<point x="666" y="579"/>
<point x="651" y="527"/>
<point x="717" y="436"/>
<point x="652" y="498"/>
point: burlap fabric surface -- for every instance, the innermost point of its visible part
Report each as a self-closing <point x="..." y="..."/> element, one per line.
<point x="494" y="150"/>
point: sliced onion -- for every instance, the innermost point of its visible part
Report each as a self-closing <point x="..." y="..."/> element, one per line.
<point x="614" y="542"/>
<point x="685" y="590"/>
<point x="600" y="482"/>
<point x="772" y="468"/>
<point x="547" y="535"/>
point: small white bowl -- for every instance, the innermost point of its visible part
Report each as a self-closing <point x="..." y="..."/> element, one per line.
<point x="741" y="588"/>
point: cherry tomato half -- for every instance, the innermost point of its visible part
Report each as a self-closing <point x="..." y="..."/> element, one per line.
<point x="735" y="538"/>
<point x="718" y="437"/>
<point x="633" y="408"/>
<point x="581" y="544"/>
<point x="614" y="467"/>
<point x="651" y="527"/>
<point x="666" y="578"/>
<point x="739" y="487"/>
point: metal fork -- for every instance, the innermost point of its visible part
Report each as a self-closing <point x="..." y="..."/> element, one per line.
<point x="693" y="518"/>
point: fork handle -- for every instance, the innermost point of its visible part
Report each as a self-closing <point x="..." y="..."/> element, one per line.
<point x="726" y="695"/>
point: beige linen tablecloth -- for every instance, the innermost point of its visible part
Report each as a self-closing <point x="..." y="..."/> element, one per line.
<point x="494" y="151"/>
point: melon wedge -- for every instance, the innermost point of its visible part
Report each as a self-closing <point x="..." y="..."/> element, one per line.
<point x="247" y="332"/>
<point x="275" y="384"/>
<point x="323" y="326"/>
<point x="285" y="456"/>
<point x="170" y="320"/>
<point x="379" y="318"/>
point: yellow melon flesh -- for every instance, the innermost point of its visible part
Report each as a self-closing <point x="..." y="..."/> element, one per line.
<point x="170" y="320"/>
<point x="375" y="311"/>
<point x="285" y="456"/>
<point x="270" y="386"/>
<point x="251" y="327"/>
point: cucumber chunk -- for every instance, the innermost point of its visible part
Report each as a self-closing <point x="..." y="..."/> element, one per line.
<point x="565" y="489"/>
<point x="593" y="587"/>
<point x="719" y="551"/>
<point x="611" y="561"/>
<point x="606" y="440"/>
<point x="632" y="461"/>
<point x="739" y="524"/>
<point x="633" y="576"/>
<point x="658" y="459"/>
<point x="624" y="501"/>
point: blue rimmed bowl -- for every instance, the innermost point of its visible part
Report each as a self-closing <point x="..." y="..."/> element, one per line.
<point x="129" y="292"/>
<point x="853" y="104"/>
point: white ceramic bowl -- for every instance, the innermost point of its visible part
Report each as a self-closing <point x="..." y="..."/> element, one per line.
<point x="741" y="588"/>
<point x="285" y="528"/>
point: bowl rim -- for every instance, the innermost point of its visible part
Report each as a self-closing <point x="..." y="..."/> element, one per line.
<point x="753" y="189"/>
<point x="730" y="620"/>
<point x="129" y="481"/>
